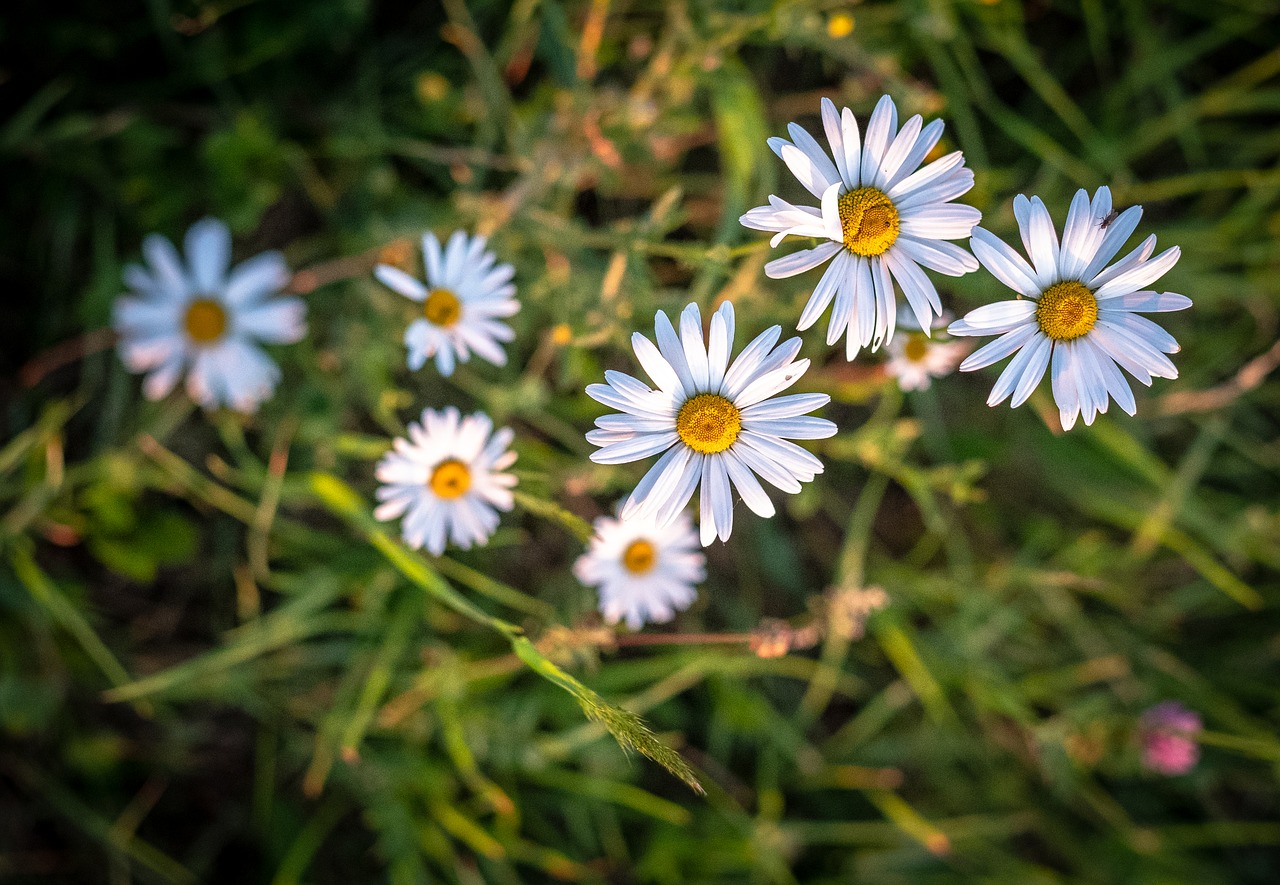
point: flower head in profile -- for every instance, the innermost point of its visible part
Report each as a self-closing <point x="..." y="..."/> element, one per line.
<point x="1168" y="732"/>
<point x="465" y="296"/>
<point x="644" y="572"/>
<point x="916" y="358"/>
<point x="1075" y="315"/>
<point x="719" y="425"/>
<point x="206" y="318"/>
<point x="447" y="480"/>
<point x="883" y="216"/>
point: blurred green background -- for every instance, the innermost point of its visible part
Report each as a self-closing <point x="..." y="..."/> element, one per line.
<point x="285" y="707"/>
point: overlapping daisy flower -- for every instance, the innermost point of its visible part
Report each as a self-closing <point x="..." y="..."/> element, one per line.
<point x="916" y="358"/>
<point x="465" y="296"/>
<point x="1075" y="315"/>
<point x="643" y="571"/>
<point x="447" y="480"/>
<point x="883" y="216"/>
<point x="205" y="317"/>
<point x="719" y="425"/>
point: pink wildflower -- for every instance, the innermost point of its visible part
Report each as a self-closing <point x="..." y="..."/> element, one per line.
<point x="1168" y="733"/>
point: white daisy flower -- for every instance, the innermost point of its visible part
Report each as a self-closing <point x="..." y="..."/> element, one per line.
<point x="465" y="295"/>
<point x="916" y="358"/>
<point x="716" y="422"/>
<point x="206" y="317"/>
<point x="644" y="572"/>
<point x="883" y="216"/>
<point x="1074" y="315"/>
<point x="447" y="480"/>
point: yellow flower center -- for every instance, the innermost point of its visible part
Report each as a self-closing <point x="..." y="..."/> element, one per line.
<point x="869" y="221"/>
<point x="708" y="423"/>
<point x="205" y="321"/>
<point x="639" y="557"/>
<point x="450" y="479"/>
<point x="916" y="348"/>
<point x="1066" y="310"/>
<point x="442" y="308"/>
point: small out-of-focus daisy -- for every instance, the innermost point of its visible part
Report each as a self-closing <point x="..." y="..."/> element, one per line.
<point x="1168" y="732"/>
<point x="466" y="294"/>
<point x="718" y="424"/>
<point x="1075" y="315"/>
<point x="915" y="358"/>
<point x="644" y="572"/>
<point x="884" y="217"/>
<point x="447" y="480"/>
<point x="207" y="318"/>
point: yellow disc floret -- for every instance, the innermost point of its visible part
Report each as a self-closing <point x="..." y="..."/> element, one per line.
<point x="205" y="321"/>
<point x="869" y="221"/>
<point x="639" y="557"/>
<point x="916" y="348"/>
<point x="450" y="479"/>
<point x="708" y="423"/>
<point x="1066" y="311"/>
<point x="442" y="307"/>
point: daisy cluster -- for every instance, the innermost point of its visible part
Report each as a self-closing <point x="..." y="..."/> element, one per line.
<point x="720" y="421"/>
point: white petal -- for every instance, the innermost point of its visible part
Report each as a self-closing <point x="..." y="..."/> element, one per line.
<point x="1115" y="384"/>
<point x="925" y="177"/>
<point x="852" y="147"/>
<point x="993" y="319"/>
<point x="1066" y="394"/>
<point x="835" y="137"/>
<point x="786" y="406"/>
<point x="1005" y="264"/>
<point x="814" y="180"/>
<point x="938" y="255"/>
<point x="753" y="494"/>
<point x="399" y="281"/>
<point x="803" y="427"/>
<point x="715" y="489"/>
<point x="940" y="221"/>
<point x="799" y="262"/>
<point x="1035" y="359"/>
<point x="659" y="482"/>
<point x="1039" y="238"/>
<point x="260" y="276"/>
<point x="817" y="156"/>
<point x="769" y="469"/>
<point x="433" y="259"/>
<point x="1080" y="238"/>
<point x="164" y="376"/>
<point x="925" y="143"/>
<point x="673" y="352"/>
<point x="641" y="446"/>
<point x="166" y="265"/>
<point x="898" y="150"/>
<point x="745" y="364"/>
<point x="657" y="368"/>
<point x="824" y="291"/>
<point x="208" y="248"/>
<point x="920" y="291"/>
<point x="1142" y="275"/>
<point x="695" y="348"/>
<point x="997" y="350"/>
<point x="720" y="345"/>
<point x="886" y="303"/>
<point x="1117" y="233"/>
<point x="882" y="126"/>
<point x="1147" y="302"/>
<point x="275" y="321"/>
<point x="788" y="455"/>
<point x="1126" y="264"/>
<point x="770" y="383"/>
